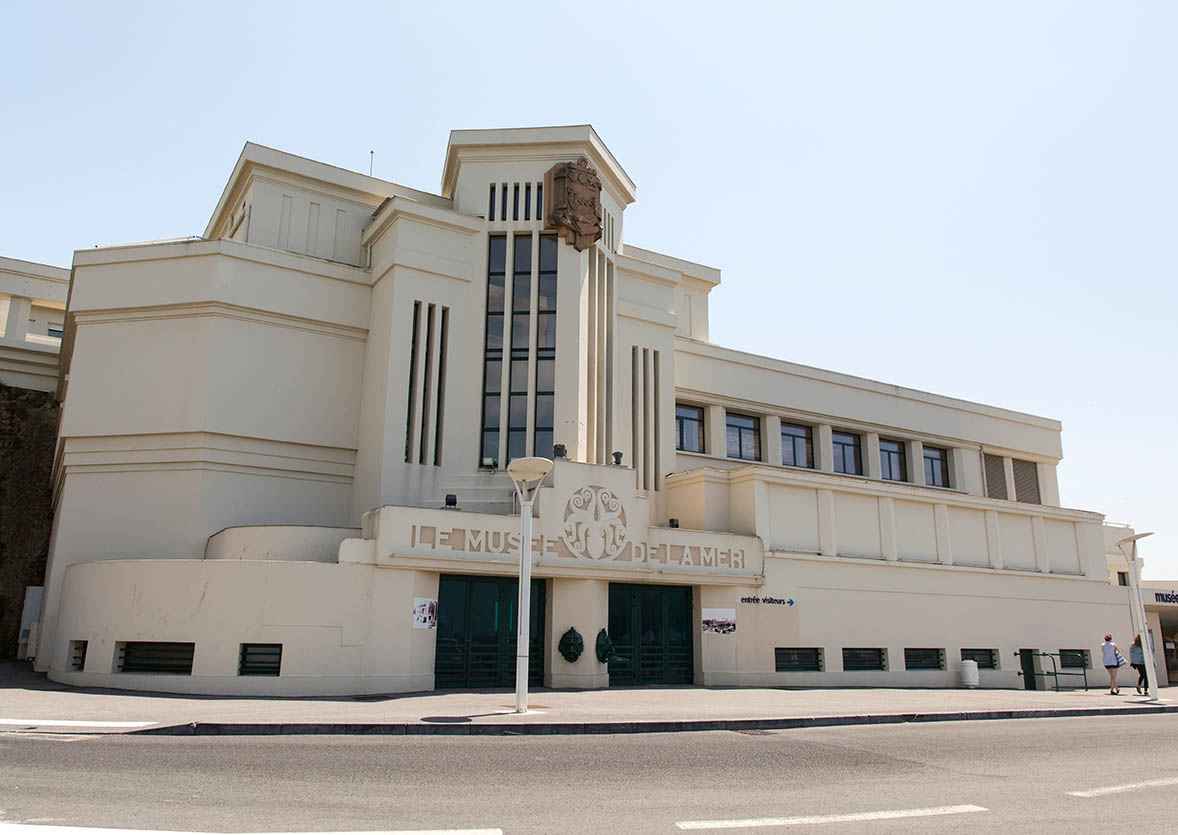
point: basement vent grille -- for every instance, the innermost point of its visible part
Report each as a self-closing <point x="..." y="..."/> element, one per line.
<point x="174" y="657"/>
<point x="797" y="659"/>
<point x="987" y="659"/>
<point x="260" y="660"/>
<point x="78" y="655"/>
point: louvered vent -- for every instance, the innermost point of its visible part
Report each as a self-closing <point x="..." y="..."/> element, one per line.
<point x="156" y="657"/>
<point x="260" y="660"/>
<point x="1026" y="481"/>
<point x="995" y="477"/>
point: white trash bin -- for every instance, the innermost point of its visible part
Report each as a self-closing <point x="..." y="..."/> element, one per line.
<point x="969" y="673"/>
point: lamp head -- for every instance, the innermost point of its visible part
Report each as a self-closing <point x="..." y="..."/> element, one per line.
<point x="1126" y="544"/>
<point x="527" y="473"/>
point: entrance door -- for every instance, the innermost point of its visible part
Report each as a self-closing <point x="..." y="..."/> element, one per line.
<point x="651" y="628"/>
<point x="1027" y="660"/>
<point x="476" y="632"/>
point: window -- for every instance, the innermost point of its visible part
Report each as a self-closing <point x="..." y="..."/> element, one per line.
<point x="936" y="466"/>
<point x="744" y="437"/>
<point x="1026" y="481"/>
<point x="57" y="331"/>
<point x="893" y="464"/>
<point x="689" y="428"/>
<point x="1122" y="578"/>
<point x="260" y="660"/>
<point x="797" y="445"/>
<point x="987" y="659"/>
<point x="493" y="349"/>
<point x="78" y="655"/>
<point x="924" y="659"/>
<point x="545" y="420"/>
<point x="1074" y="659"/>
<point x="798" y="659"/>
<point x="995" y="468"/>
<point x="521" y="319"/>
<point x="855" y="660"/>
<point x="173" y="657"/>
<point x="847" y="453"/>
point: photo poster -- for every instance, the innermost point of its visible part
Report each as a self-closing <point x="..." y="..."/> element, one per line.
<point x="425" y="613"/>
<point x="720" y="621"/>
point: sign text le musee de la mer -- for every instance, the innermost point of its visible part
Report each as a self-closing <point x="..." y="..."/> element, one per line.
<point x="593" y="528"/>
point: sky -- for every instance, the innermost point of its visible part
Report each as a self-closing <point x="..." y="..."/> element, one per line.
<point x="972" y="199"/>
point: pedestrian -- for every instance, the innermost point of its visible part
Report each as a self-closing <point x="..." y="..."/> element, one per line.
<point x="1113" y="660"/>
<point x="1137" y="659"/>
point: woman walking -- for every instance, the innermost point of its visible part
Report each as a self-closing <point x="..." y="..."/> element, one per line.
<point x="1112" y="662"/>
<point x="1137" y="659"/>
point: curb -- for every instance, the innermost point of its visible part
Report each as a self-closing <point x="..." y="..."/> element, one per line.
<point x="654" y="727"/>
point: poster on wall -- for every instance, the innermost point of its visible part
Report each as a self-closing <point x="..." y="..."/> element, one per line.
<point x="425" y="613"/>
<point x="720" y="621"/>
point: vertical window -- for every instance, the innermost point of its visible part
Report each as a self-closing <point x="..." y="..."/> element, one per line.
<point x="893" y="465"/>
<point x="689" y="428"/>
<point x="491" y="204"/>
<point x="521" y="309"/>
<point x="995" y="470"/>
<point x="744" y="437"/>
<point x="545" y="344"/>
<point x="515" y="201"/>
<point x="1026" y="481"/>
<point x="528" y="203"/>
<point x="493" y="351"/>
<point x="848" y="456"/>
<point x="1122" y="578"/>
<point x="936" y="466"/>
<point x="797" y="445"/>
<point x="503" y="201"/>
<point x="539" y="201"/>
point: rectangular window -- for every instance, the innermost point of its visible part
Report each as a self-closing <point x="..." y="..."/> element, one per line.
<point x="987" y="659"/>
<point x="848" y="457"/>
<point x="995" y="468"/>
<point x="1122" y="578"/>
<point x="544" y="418"/>
<point x="797" y="445"/>
<point x="857" y="659"/>
<point x="893" y="460"/>
<point x="689" y="428"/>
<point x="1074" y="659"/>
<point x="491" y="204"/>
<point x="503" y="201"/>
<point x="744" y="437"/>
<point x="527" y="201"/>
<point x="260" y="660"/>
<point x="798" y="659"/>
<point x="172" y="657"/>
<point x="936" y="466"/>
<point x="493" y="350"/>
<point x="924" y="659"/>
<point x="1026" y="481"/>
<point x="521" y="307"/>
<point x="78" y="655"/>
<point x="57" y="330"/>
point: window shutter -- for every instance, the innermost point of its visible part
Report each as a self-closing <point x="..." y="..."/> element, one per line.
<point x="1026" y="481"/>
<point x="995" y="477"/>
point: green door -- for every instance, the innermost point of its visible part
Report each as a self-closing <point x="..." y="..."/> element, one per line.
<point x="1026" y="659"/>
<point x="651" y="628"/>
<point x="476" y="632"/>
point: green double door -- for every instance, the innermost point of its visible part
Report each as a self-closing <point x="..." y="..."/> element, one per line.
<point x="651" y="628"/>
<point x="476" y="640"/>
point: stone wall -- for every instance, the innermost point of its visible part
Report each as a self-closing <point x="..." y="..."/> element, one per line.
<point x="28" y="429"/>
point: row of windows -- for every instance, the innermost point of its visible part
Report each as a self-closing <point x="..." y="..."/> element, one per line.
<point x="175" y="657"/>
<point x="743" y="437"/>
<point x="520" y="196"/>
<point x="858" y="659"/>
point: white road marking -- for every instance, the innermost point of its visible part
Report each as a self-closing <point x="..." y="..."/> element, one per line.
<point x="70" y="723"/>
<point x="810" y="820"/>
<point x="33" y="829"/>
<point x="1128" y="787"/>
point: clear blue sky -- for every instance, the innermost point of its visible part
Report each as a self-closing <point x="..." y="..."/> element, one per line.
<point x="972" y="199"/>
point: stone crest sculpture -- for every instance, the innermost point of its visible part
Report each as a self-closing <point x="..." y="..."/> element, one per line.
<point x="572" y="191"/>
<point x="594" y="524"/>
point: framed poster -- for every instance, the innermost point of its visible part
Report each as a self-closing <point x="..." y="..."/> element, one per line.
<point x="720" y="621"/>
<point x="425" y="613"/>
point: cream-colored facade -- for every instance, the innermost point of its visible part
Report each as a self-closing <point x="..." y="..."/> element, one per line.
<point x="261" y="427"/>
<point x="32" y="321"/>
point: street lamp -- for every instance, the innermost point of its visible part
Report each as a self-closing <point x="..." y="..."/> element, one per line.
<point x="527" y="474"/>
<point x="1128" y="547"/>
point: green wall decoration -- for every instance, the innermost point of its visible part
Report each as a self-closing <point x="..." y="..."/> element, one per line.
<point x="571" y="645"/>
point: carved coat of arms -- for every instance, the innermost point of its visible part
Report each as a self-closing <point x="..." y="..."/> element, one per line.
<point x="594" y="524"/>
<point x="572" y="191"/>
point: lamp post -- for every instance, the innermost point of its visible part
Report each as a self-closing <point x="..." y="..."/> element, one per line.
<point x="527" y="474"/>
<point x="1128" y="547"/>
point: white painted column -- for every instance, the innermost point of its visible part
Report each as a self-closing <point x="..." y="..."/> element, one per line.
<point x="714" y="425"/>
<point x="827" y="544"/>
<point x="944" y="544"/>
<point x="771" y="448"/>
<point x="994" y="540"/>
<point x="825" y="450"/>
<point x="871" y="463"/>
<point x="915" y="462"/>
<point x="16" y="326"/>
<point x="1008" y="469"/>
<point x="1048" y="484"/>
<point x="1039" y="536"/>
<point x="887" y="528"/>
<point x="965" y="471"/>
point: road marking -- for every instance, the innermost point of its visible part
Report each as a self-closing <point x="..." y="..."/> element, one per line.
<point x="70" y="723"/>
<point x="1128" y="787"/>
<point x="36" y="829"/>
<point x="892" y="814"/>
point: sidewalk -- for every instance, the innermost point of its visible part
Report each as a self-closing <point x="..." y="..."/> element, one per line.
<point x="28" y="701"/>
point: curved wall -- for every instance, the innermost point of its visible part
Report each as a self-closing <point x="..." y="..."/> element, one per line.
<point x="296" y="543"/>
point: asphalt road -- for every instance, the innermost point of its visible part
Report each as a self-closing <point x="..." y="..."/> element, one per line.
<point x="998" y="775"/>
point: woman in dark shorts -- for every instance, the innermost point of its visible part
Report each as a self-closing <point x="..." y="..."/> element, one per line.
<point x="1112" y="662"/>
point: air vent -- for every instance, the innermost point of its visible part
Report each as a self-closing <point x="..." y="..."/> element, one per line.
<point x="173" y="657"/>
<point x="260" y="660"/>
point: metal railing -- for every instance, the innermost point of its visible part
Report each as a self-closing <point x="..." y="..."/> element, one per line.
<point x="1056" y="672"/>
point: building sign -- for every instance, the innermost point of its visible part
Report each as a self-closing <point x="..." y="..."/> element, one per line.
<point x="1165" y="597"/>
<point x="758" y="600"/>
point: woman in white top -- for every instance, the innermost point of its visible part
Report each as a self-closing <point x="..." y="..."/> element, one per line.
<point x="1112" y="662"/>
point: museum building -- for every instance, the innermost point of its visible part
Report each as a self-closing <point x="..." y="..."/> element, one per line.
<point x="280" y="463"/>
